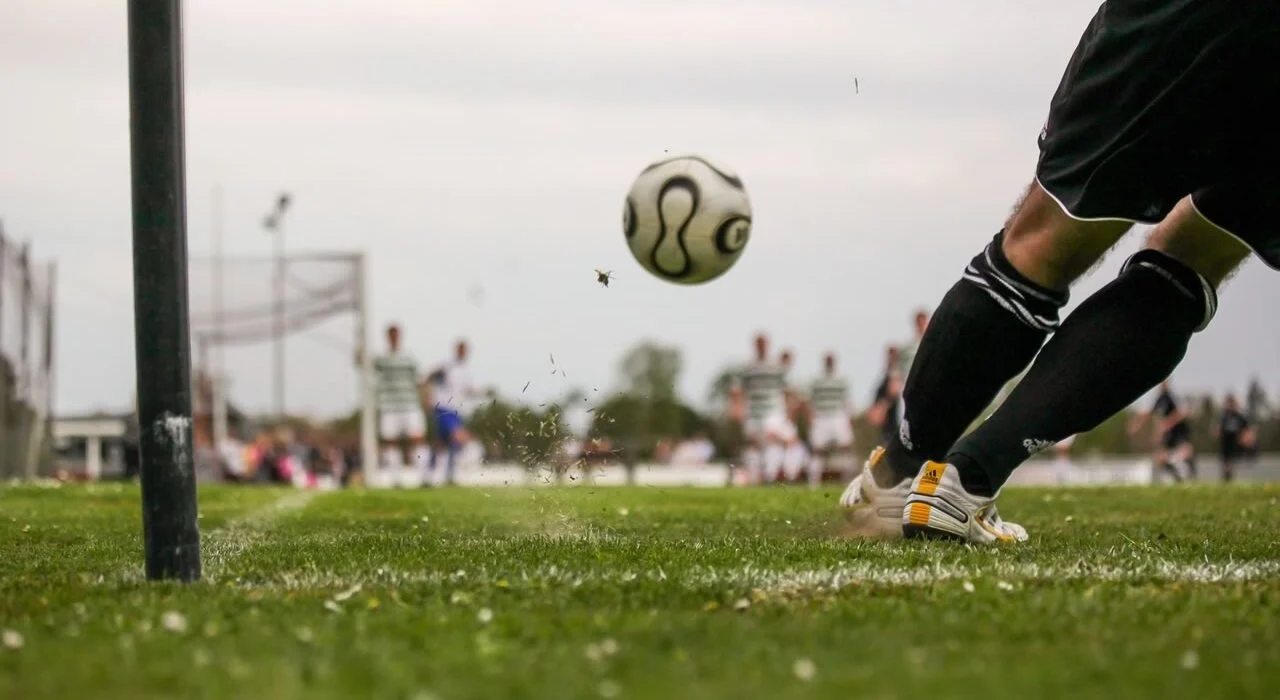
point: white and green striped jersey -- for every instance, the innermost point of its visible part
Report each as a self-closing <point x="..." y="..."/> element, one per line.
<point x="765" y="385"/>
<point x="396" y="388"/>
<point x="829" y="396"/>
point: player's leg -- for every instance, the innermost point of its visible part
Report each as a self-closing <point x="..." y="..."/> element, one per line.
<point x="390" y="450"/>
<point x="793" y="451"/>
<point x="819" y="460"/>
<point x="774" y="452"/>
<point x="1228" y="465"/>
<point x="985" y="332"/>
<point x="1121" y="342"/>
<point x="751" y="456"/>
<point x="990" y="324"/>
<point x="752" y="462"/>
<point x="445" y="440"/>
<point x="794" y="460"/>
<point x="1184" y="458"/>
<point x="820" y="448"/>
<point x="1160" y="458"/>
<point x="840" y="458"/>
<point x="456" y="439"/>
<point x="1123" y="110"/>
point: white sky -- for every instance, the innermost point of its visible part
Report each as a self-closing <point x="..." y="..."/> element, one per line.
<point x="488" y="143"/>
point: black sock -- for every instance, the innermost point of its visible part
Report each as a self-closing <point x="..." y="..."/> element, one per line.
<point x="1119" y="344"/>
<point x="985" y="331"/>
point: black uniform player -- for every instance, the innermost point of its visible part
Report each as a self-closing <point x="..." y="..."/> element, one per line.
<point x="1234" y="436"/>
<point x="885" y="405"/>
<point x="1174" y="453"/>
<point x="1163" y="115"/>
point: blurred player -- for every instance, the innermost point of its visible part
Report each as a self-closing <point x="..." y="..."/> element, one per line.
<point x="1062" y="464"/>
<point x="765" y="424"/>
<point x="885" y="407"/>
<point x="452" y="393"/>
<point x="830" y="427"/>
<point x="1174" y="453"/>
<point x="1234" y="434"/>
<point x="1162" y="116"/>
<point x="907" y="355"/>
<point x="399" y="399"/>
<point x="795" y="454"/>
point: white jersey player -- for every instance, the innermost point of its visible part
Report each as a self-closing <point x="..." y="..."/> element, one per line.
<point x="795" y="453"/>
<point x="453" y="395"/>
<point x="830" y="423"/>
<point x="763" y="387"/>
<point x="399" y="400"/>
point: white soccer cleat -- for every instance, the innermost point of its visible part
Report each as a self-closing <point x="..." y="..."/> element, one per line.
<point x="871" y="510"/>
<point x="938" y="506"/>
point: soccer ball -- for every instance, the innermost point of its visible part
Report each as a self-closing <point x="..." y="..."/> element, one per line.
<point x="687" y="219"/>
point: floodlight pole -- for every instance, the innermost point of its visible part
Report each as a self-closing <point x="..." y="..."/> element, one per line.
<point x="161" y="325"/>
<point x="218" y="417"/>
<point x="274" y="223"/>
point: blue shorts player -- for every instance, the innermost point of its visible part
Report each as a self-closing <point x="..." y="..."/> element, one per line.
<point x="452" y="388"/>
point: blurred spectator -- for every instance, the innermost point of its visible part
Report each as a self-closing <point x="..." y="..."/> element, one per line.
<point x="697" y="450"/>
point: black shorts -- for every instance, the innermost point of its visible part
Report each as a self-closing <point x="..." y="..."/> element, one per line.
<point x="1168" y="98"/>
<point x="1177" y="436"/>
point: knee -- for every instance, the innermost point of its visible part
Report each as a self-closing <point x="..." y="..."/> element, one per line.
<point x="1174" y="275"/>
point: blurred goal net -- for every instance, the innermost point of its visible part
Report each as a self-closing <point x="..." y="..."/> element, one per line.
<point x="315" y="306"/>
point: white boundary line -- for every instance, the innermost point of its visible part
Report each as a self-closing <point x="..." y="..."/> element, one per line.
<point x="788" y="580"/>
<point x="225" y="544"/>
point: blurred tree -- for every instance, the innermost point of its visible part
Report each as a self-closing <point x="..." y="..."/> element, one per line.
<point x="651" y="370"/>
<point x="634" y="423"/>
<point x="346" y="427"/>
<point x="648" y="408"/>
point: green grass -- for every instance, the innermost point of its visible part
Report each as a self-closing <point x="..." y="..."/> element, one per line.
<point x="639" y="593"/>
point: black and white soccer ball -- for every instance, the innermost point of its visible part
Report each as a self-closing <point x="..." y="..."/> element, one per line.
<point x="687" y="219"/>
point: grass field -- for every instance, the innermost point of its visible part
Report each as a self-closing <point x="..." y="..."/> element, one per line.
<point x="639" y="593"/>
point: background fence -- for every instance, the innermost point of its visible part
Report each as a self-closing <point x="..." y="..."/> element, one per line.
<point x="26" y="360"/>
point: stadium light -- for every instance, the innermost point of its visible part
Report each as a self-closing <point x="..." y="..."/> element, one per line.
<point x="161" y="324"/>
<point x="274" y="224"/>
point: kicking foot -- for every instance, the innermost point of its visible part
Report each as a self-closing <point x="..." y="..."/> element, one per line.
<point x="939" y="507"/>
<point x="871" y="510"/>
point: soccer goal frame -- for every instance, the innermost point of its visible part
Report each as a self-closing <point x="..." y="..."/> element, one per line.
<point x="217" y="326"/>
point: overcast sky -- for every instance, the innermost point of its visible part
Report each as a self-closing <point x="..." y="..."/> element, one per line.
<point x="478" y="151"/>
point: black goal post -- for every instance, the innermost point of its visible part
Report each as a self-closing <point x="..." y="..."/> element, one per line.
<point x="163" y="353"/>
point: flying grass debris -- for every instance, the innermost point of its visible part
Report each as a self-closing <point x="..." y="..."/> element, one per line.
<point x="173" y="621"/>
<point x="12" y="639"/>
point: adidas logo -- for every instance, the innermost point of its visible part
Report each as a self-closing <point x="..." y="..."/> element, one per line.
<point x="1034" y="446"/>
<point x="932" y="475"/>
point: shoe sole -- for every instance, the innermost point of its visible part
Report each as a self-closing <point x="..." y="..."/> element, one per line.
<point x="865" y="521"/>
